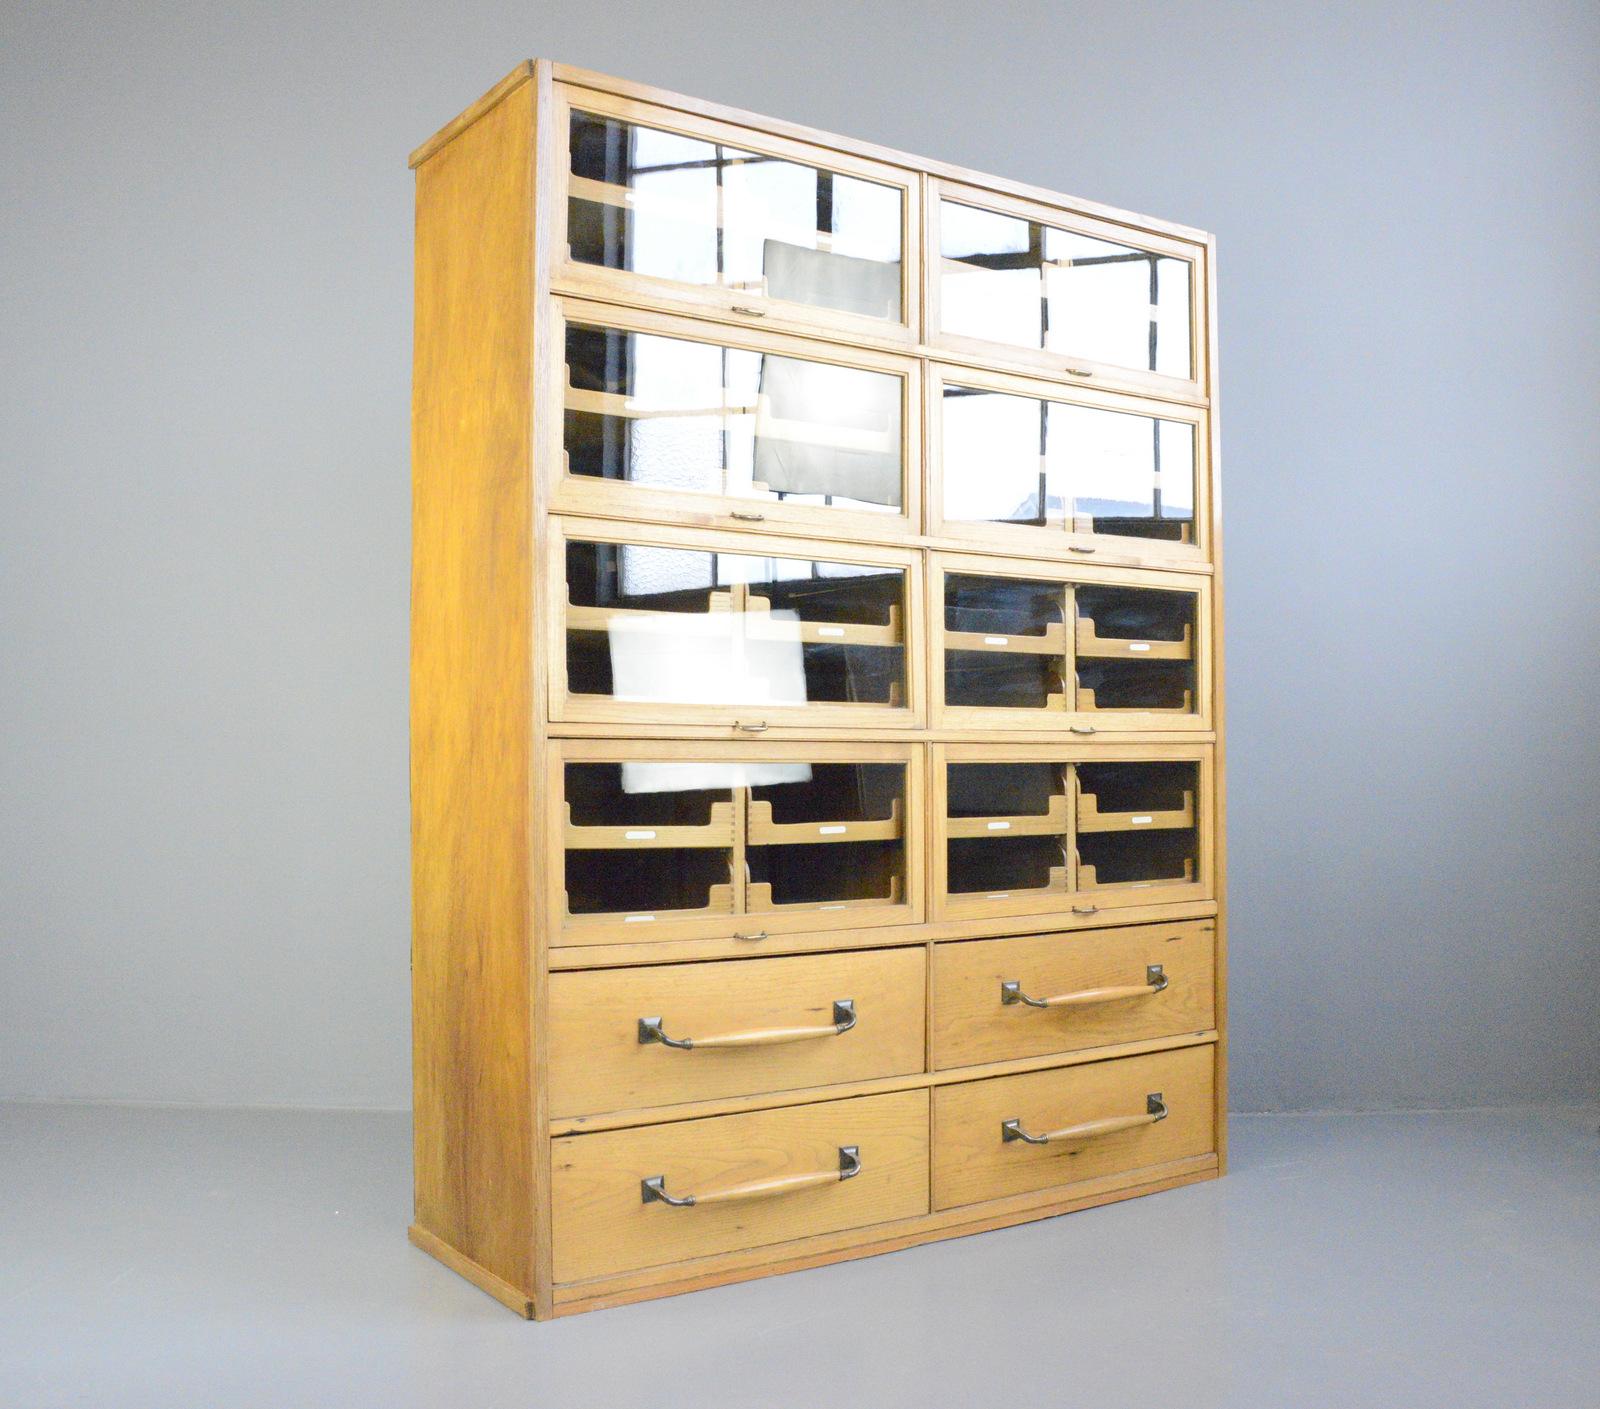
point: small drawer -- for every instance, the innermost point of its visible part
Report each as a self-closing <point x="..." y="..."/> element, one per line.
<point x="998" y="999"/>
<point x="626" y="1199"/>
<point x="623" y="1038"/>
<point x="1015" y="1134"/>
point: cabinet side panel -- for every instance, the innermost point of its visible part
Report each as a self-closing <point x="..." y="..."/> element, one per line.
<point x="471" y="694"/>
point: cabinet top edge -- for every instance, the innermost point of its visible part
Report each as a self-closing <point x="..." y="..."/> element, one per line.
<point x="759" y="122"/>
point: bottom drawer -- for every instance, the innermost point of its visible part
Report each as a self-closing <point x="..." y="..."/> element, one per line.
<point x="746" y="1180"/>
<point x="1101" y="1118"/>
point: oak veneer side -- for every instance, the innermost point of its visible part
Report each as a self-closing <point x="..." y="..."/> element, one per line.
<point x="472" y="698"/>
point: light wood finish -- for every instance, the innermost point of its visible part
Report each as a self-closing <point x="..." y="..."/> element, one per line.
<point x="538" y="1109"/>
<point x="1105" y="1102"/>
<point x="472" y="695"/>
<point x="972" y="1024"/>
<point x="603" y="1225"/>
<point x="599" y="1064"/>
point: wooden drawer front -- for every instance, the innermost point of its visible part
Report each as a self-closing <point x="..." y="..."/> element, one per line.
<point x="973" y="1161"/>
<point x="604" y="1225"/>
<point x="1104" y="976"/>
<point x="598" y="1063"/>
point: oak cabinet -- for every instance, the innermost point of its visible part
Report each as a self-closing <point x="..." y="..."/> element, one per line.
<point x="816" y="751"/>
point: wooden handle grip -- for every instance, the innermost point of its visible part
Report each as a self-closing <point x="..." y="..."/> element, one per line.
<point x="1155" y="1110"/>
<point x="654" y="1189"/>
<point x="1155" y="980"/>
<point x="844" y="1018"/>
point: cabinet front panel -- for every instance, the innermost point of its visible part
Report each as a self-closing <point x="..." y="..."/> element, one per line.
<point x="766" y="1177"/>
<point x="996" y="1000"/>
<point x="662" y="207"/>
<point x="1095" y="1120"/>
<point x="1077" y="297"/>
<point x="703" y="629"/>
<point x="668" y="417"/>
<point x="1030" y="830"/>
<point x="1022" y="464"/>
<point x="1041" y="648"/>
<point x="694" y="841"/>
<point x="617" y="1035"/>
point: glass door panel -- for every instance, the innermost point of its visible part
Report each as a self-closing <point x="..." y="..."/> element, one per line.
<point x="1137" y="824"/>
<point x="664" y="208"/>
<point x="1008" y="830"/>
<point x="1094" y="298"/>
<point x="1069" y="652"/>
<point x="653" y="626"/>
<point x="1024" y="462"/>
<point x="675" y="417"/>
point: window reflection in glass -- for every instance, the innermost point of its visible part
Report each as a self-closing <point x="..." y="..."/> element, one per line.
<point x="1005" y="279"/>
<point x="676" y="625"/>
<point x="668" y="413"/>
<point x="1052" y="464"/>
<point x="701" y="212"/>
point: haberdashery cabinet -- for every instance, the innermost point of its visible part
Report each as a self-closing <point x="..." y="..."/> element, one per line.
<point x="817" y="760"/>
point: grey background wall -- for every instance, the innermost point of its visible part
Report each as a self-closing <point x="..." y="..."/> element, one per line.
<point x="204" y="253"/>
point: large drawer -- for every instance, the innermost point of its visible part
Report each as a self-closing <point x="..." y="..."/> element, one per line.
<point x="746" y="1181"/>
<point x="755" y="1025"/>
<point x="1102" y="986"/>
<point x="1100" y="1119"/>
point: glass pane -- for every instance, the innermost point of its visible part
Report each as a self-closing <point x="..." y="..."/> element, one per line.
<point x="830" y="841"/>
<point x="1135" y="649"/>
<point x="1005" y="643"/>
<point x="1137" y="824"/>
<point x="650" y="839"/>
<point x="700" y="212"/>
<point x="1007" y="828"/>
<point x="1010" y="280"/>
<point x="1024" y="460"/>
<point x="670" y="414"/>
<point x="681" y="625"/>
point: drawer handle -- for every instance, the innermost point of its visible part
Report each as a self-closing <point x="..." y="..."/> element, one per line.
<point x="759" y="726"/>
<point x="654" y="1190"/>
<point x="758" y="934"/>
<point x="747" y="517"/>
<point x="1081" y="728"/>
<point x="1155" y="979"/>
<point x="1079" y="372"/>
<point x="1155" y="1109"/>
<point x="1079" y="548"/>
<point x="844" y="1018"/>
<point x="748" y="311"/>
<point x="1085" y="909"/>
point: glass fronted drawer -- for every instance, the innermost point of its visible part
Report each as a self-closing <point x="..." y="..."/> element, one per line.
<point x="663" y="417"/>
<point x="703" y="628"/>
<point x="661" y="206"/>
<point x="1069" y="294"/>
<point x="1023" y="464"/>
<point x="705" y="840"/>
<point x="1031" y="645"/>
<point x="1046" y="829"/>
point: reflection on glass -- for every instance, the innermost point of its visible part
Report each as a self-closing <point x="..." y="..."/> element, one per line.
<point x="833" y="842"/>
<point x="670" y="414"/>
<point x="1007" y="828"/>
<point x="1137" y="824"/>
<point x="1010" y="280"/>
<point x="701" y="212"/>
<point x="1052" y="464"/>
<point x="679" y="625"/>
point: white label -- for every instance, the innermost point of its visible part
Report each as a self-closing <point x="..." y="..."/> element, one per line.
<point x="1138" y="645"/>
<point x="996" y="640"/>
<point x="638" y="836"/>
<point x="832" y="831"/>
<point x="830" y="631"/>
<point x="831" y="907"/>
<point x="1142" y="819"/>
<point x="998" y="826"/>
<point x="998" y="895"/>
<point x="637" y="919"/>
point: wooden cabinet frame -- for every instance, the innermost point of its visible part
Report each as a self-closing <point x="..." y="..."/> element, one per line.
<point x="734" y="305"/>
<point x="1041" y="721"/>
<point x="578" y="494"/>
<point x="568" y="708"/>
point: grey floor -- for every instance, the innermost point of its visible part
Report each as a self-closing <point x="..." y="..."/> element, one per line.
<point x="245" y="1258"/>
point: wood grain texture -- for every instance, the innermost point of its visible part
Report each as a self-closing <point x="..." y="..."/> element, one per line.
<point x="603" y="1226"/>
<point x="972" y="1163"/>
<point x="599" y="1064"/>
<point x="472" y="694"/>
<point x="971" y="1025"/>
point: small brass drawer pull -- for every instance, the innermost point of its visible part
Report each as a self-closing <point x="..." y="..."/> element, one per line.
<point x="747" y="517"/>
<point x="759" y="934"/>
<point x="1079" y="548"/>
<point x="750" y="312"/>
<point x="1080" y="728"/>
<point x="1085" y="909"/>
<point x="844" y="1018"/>
<point x="654" y="1190"/>
<point x="1079" y="372"/>
<point x="1155" y="979"/>
<point x="1154" y="1109"/>
<point x="758" y="726"/>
